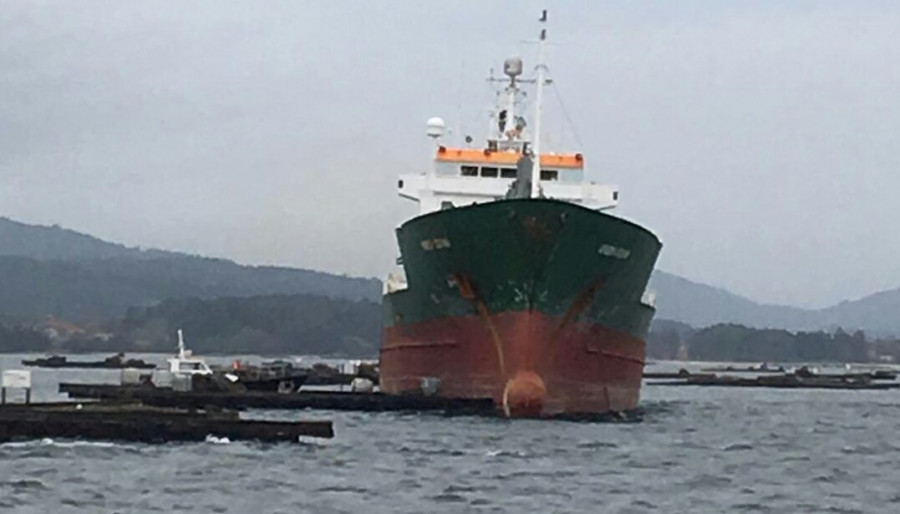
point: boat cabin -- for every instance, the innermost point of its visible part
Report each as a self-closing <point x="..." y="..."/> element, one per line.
<point x="184" y="363"/>
<point x="188" y="366"/>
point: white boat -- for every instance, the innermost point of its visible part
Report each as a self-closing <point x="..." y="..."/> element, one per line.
<point x="184" y="364"/>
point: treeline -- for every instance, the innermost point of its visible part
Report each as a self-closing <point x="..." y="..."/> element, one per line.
<point x="271" y="324"/>
<point x="18" y="337"/>
<point x="22" y="338"/>
<point x="731" y="342"/>
<point x="102" y="289"/>
<point x="310" y="324"/>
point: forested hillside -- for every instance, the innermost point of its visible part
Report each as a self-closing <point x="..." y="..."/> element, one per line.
<point x="117" y="297"/>
<point x="53" y="271"/>
<point x="731" y="342"/>
<point x="283" y="324"/>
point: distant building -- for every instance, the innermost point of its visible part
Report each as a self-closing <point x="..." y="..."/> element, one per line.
<point x="60" y="330"/>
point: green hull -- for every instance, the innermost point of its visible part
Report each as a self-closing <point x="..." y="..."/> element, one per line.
<point x="556" y="258"/>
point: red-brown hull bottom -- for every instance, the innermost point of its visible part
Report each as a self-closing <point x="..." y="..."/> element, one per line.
<point x="531" y="364"/>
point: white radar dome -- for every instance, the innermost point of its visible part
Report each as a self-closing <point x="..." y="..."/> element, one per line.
<point x="435" y="127"/>
<point x="512" y="67"/>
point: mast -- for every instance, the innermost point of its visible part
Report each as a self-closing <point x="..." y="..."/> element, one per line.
<point x="182" y="354"/>
<point x="541" y="69"/>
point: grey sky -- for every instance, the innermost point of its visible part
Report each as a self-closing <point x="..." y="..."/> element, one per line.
<point x="760" y="141"/>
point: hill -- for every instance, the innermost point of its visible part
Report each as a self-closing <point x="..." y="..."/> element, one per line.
<point x="701" y="305"/>
<point x="271" y="324"/>
<point x="51" y="270"/>
<point x="56" y="243"/>
<point x="732" y="342"/>
<point x="878" y="314"/>
<point x="264" y="325"/>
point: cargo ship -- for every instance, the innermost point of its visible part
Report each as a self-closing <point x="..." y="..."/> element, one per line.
<point x="514" y="281"/>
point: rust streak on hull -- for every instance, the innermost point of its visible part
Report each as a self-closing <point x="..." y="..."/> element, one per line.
<point x="586" y="369"/>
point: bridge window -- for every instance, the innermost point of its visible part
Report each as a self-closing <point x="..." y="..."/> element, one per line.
<point x="508" y="173"/>
<point x="489" y="172"/>
<point x="549" y="175"/>
<point x="469" y="171"/>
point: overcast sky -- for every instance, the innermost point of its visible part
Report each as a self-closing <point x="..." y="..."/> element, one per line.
<point x="759" y="140"/>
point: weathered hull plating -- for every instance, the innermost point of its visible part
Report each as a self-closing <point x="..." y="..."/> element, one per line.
<point x="582" y="369"/>
<point x="534" y="303"/>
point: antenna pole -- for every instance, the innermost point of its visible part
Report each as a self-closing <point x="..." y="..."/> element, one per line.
<point x="181" y="353"/>
<point x="541" y="69"/>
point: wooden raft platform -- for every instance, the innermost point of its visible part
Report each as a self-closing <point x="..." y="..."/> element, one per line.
<point x="330" y="400"/>
<point x="135" y="422"/>
<point x="781" y="381"/>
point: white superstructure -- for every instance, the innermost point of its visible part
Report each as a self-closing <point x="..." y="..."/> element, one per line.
<point x="510" y="165"/>
<point x="185" y="364"/>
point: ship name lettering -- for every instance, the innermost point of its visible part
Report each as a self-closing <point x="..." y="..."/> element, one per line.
<point x="438" y="243"/>
<point x="614" y="252"/>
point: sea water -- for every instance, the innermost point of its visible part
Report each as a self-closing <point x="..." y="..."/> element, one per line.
<point x="688" y="449"/>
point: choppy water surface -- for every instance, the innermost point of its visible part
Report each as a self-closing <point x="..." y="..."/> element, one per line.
<point x="693" y="450"/>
